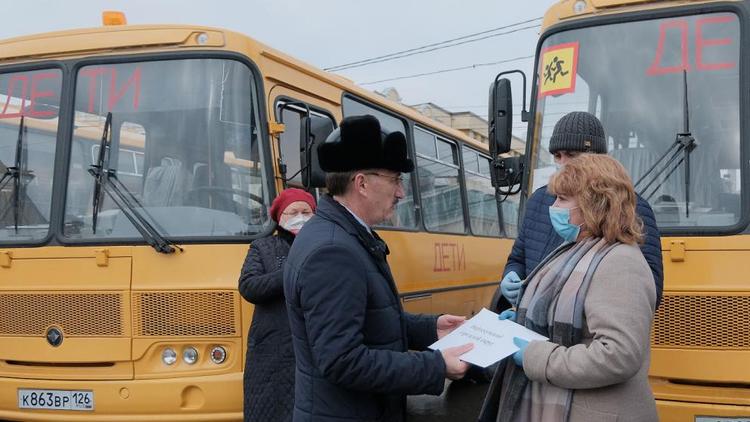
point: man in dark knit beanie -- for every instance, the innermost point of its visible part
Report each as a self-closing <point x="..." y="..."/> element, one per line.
<point x="574" y="134"/>
<point x="578" y="132"/>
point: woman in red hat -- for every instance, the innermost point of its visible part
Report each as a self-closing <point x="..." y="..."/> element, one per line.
<point x="269" y="367"/>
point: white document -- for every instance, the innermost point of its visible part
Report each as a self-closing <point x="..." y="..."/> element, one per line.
<point x="492" y="338"/>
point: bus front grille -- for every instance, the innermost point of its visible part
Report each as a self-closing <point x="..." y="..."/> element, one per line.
<point x="177" y="314"/>
<point x="76" y="314"/>
<point x="708" y="322"/>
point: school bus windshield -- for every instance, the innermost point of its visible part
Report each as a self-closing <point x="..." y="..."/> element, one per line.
<point x="184" y="142"/>
<point x="632" y="76"/>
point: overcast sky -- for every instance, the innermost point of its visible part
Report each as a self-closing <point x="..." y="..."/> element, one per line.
<point x="327" y="33"/>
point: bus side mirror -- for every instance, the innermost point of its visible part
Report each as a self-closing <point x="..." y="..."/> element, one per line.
<point x="312" y="175"/>
<point x="500" y="117"/>
<point x="506" y="172"/>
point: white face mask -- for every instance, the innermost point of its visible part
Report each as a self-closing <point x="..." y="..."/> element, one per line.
<point x="294" y="224"/>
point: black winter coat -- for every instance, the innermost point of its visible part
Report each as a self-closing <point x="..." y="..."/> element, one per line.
<point x="351" y="335"/>
<point x="537" y="238"/>
<point x="269" y="367"/>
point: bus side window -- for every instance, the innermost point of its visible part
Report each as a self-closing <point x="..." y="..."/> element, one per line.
<point x="439" y="183"/>
<point x="483" y="210"/>
<point x="321" y="126"/>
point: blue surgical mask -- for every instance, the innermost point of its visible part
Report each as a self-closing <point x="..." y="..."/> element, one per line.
<point x="560" y="218"/>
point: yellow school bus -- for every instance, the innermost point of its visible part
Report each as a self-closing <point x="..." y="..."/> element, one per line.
<point x="138" y="164"/>
<point x="664" y="77"/>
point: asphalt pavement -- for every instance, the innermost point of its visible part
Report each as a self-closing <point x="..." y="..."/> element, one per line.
<point x="460" y="402"/>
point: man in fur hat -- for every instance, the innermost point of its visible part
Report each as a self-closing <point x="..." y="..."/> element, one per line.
<point x="358" y="353"/>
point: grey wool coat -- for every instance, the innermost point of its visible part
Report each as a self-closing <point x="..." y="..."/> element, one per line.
<point x="609" y="369"/>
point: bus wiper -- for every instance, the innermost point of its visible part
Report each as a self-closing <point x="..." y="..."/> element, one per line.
<point x="684" y="143"/>
<point x="106" y="181"/>
<point x="18" y="173"/>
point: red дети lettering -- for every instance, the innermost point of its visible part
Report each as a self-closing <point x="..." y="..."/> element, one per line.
<point x="701" y="44"/>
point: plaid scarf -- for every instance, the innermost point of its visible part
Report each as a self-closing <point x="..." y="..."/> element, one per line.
<point x="551" y="304"/>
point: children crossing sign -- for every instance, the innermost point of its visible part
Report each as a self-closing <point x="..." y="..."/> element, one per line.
<point x="558" y="69"/>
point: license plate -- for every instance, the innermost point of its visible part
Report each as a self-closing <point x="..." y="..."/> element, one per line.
<point x="56" y="399"/>
<point x="719" y="419"/>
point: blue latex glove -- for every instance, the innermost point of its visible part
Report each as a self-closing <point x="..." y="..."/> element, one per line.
<point x="518" y="356"/>
<point x="507" y="314"/>
<point x="511" y="286"/>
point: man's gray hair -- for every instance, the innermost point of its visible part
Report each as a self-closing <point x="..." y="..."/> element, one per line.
<point x="338" y="183"/>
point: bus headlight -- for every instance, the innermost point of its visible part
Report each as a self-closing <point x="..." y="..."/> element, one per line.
<point x="190" y="355"/>
<point x="169" y="356"/>
<point x="218" y="355"/>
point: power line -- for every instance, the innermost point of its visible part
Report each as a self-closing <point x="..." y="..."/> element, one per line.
<point x="433" y="49"/>
<point x="434" y="46"/>
<point x="455" y="69"/>
<point x="515" y="106"/>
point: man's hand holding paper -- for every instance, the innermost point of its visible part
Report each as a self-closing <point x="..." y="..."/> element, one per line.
<point x="492" y="338"/>
<point x="447" y="323"/>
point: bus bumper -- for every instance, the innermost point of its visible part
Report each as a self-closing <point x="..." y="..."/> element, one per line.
<point x="674" y="411"/>
<point x="701" y="403"/>
<point x="215" y="398"/>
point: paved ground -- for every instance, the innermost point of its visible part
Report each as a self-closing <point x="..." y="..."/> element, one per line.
<point x="460" y="402"/>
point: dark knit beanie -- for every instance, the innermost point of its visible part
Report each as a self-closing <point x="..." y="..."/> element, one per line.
<point x="578" y="131"/>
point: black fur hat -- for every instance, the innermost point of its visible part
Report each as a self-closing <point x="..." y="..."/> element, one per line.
<point x="360" y="144"/>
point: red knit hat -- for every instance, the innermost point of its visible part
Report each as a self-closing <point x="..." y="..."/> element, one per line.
<point x="287" y="197"/>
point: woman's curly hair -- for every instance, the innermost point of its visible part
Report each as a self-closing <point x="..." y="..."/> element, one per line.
<point x="605" y="195"/>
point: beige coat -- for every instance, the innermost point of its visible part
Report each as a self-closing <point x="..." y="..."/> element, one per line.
<point x="609" y="369"/>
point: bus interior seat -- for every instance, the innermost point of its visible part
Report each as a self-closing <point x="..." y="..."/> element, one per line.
<point x="201" y="193"/>
<point x="166" y="184"/>
<point x="200" y="179"/>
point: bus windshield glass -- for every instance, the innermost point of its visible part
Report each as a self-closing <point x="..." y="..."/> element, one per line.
<point x="183" y="143"/>
<point x="634" y="76"/>
<point x="29" y="104"/>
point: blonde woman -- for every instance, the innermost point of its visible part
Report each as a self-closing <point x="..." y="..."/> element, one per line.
<point x="594" y="298"/>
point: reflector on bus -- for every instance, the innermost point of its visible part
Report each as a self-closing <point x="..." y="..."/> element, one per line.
<point x="112" y="18"/>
